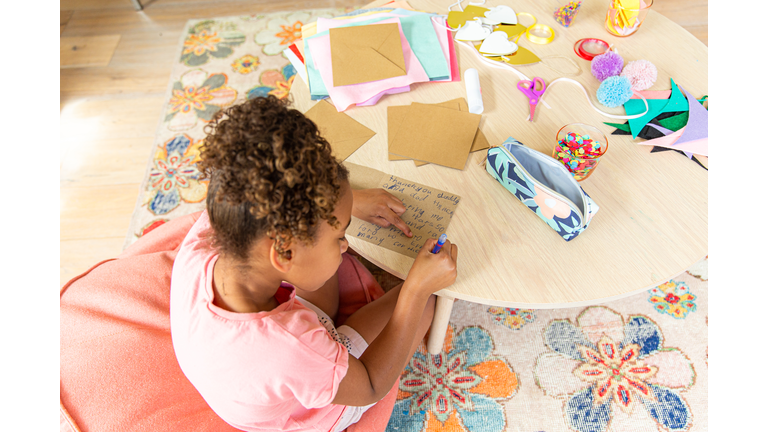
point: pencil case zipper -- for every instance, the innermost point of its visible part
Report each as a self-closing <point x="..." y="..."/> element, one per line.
<point x="546" y="188"/>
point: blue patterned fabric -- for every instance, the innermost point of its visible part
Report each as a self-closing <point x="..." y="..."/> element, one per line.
<point x="557" y="211"/>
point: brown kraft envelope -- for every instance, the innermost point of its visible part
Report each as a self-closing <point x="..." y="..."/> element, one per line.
<point x="343" y="133"/>
<point x="435" y="134"/>
<point x="366" y="53"/>
<point x="395" y="116"/>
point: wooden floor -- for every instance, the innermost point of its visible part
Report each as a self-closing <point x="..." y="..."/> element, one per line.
<point x="115" y="66"/>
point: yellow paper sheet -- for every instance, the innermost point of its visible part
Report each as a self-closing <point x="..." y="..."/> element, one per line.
<point x="514" y="32"/>
<point x="458" y="18"/>
<point x="428" y="211"/>
<point x="628" y="11"/>
<point x="520" y="57"/>
<point x="435" y="134"/>
<point x="367" y="53"/>
<point x="343" y="133"/>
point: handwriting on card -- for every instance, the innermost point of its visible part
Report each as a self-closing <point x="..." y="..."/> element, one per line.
<point x="428" y="213"/>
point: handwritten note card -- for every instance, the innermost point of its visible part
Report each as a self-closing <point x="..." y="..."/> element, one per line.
<point x="428" y="211"/>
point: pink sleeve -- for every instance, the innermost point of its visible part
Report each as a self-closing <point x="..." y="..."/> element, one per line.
<point x="318" y="362"/>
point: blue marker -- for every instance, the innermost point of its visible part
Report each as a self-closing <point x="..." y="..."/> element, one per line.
<point x="440" y="243"/>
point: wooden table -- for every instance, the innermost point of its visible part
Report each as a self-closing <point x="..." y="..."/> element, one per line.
<point x="652" y="223"/>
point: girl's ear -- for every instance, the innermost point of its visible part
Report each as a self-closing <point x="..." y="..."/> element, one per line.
<point x="282" y="263"/>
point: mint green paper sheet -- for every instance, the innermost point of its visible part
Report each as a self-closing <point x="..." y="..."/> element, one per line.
<point x="676" y="102"/>
<point x="420" y="32"/>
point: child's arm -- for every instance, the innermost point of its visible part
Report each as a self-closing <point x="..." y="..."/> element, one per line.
<point x="372" y="376"/>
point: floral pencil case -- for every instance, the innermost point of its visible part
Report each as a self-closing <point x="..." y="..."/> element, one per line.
<point x="543" y="185"/>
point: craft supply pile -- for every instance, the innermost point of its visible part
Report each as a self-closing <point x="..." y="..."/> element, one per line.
<point x="496" y="32"/>
<point x="356" y="59"/>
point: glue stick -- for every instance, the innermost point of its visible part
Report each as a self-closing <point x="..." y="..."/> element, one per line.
<point x="474" y="94"/>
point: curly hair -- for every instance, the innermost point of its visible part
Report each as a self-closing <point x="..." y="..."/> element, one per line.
<point x="271" y="174"/>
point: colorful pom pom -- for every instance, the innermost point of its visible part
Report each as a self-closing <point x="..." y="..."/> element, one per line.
<point x="614" y="91"/>
<point x="607" y="65"/>
<point x="641" y="73"/>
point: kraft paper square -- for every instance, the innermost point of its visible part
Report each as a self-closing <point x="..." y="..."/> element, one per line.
<point x="343" y="133"/>
<point x="366" y="53"/>
<point x="435" y="134"/>
<point x="395" y="114"/>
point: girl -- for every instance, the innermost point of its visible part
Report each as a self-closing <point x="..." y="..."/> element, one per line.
<point x="255" y="284"/>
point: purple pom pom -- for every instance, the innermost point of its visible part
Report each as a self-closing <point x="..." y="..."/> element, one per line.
<point x="607" y="65"/>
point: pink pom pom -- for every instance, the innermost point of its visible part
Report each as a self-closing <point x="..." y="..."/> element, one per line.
<point x="641" y="73"/>
<point x="607" y="65"/>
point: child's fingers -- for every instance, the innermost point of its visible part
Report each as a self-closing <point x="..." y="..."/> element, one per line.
<point x="454" y="252"/>
<point x="446" y="247"/>
<point x="397" y="221"/>
<point x="396" y="205"/>
<point x="450" y="249"/>
<point x="429" y="244"/>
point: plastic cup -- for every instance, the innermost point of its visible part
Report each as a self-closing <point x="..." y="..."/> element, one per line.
<point x="623" y="20"/>
<point x="580" y="165"/>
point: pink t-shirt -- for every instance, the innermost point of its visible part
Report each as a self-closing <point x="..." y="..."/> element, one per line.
<point x="276" y="370"/>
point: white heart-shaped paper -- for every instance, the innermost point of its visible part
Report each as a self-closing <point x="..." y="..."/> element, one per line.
<point x="500" y="14"/>
<point x="550" y="202"/>
<point x="472" y="31"/>
<point x="498" y="44"/>
<point x="488" y="21"/>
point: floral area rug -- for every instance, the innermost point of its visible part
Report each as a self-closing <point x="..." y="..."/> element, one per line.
<point x="221" y="62"/>
<point x="633" y="365"/>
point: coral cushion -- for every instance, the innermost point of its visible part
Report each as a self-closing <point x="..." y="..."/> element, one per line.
<point x="118" y="369"/>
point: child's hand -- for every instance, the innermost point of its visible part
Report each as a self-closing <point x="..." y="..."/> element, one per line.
<point x="432" y="272"/>
<point x="379" y="207"/>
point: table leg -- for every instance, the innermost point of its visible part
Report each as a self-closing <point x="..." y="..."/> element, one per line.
<point x="136" y="5"/>
<point x="443" y="308"/>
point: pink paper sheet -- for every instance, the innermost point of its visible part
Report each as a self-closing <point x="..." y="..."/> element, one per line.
<point x="454" y="60"/>
<point x="345" y="96"/>
<point x="375" y="99"/>
<point x="652" y="94"/>
<point x="446" y="43"/>
<point x="699" y="147"/>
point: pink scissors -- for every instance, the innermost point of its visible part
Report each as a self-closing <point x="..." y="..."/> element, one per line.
<point x="529" y="89"/>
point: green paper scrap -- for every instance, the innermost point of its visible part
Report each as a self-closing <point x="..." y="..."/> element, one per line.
<point x="675" y="123"/>
<point x="676" y="102"/>
<point x="620" y="126"/>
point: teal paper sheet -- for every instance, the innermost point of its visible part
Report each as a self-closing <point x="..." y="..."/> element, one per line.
<point x="676" y="102"/>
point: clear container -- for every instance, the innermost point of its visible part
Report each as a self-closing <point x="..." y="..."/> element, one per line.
<point x="580" y="165"/>
<point x="623" y="21"/>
